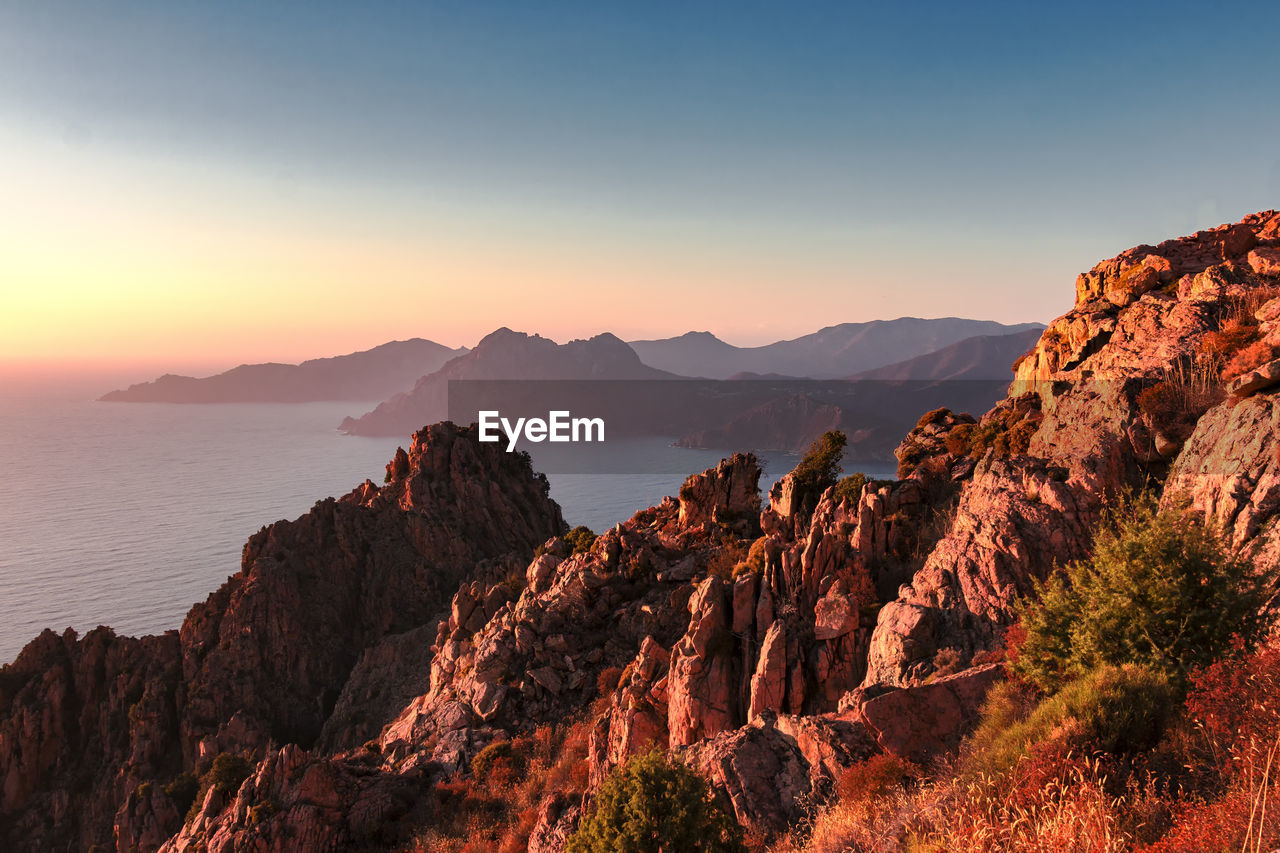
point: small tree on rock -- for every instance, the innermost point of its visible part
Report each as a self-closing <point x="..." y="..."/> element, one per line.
<point x="1161" y="590"/>
<point x="655" y="805"/>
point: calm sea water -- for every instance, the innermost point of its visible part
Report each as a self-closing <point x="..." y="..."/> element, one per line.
<point x="127" y="514"/>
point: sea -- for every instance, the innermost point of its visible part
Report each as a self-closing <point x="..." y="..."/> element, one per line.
<point x="126" y="514"/>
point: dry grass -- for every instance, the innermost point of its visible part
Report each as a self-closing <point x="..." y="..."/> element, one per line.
<point x="497" y="810"/>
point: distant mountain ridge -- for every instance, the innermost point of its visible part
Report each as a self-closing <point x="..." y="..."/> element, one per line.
<point x="830" y="353"/>
<point x="979" y="357"/>
<point x="366" y="375"/>
<point x="503" y="354"/>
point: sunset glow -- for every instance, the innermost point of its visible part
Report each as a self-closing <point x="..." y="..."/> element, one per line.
<point x="174" y="198"/>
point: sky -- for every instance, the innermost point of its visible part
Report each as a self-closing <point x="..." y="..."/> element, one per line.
<point x="188" y="186"/>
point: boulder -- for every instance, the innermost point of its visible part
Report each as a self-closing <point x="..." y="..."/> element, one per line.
<point x="1239" y="239"/>
<point x="920" y="722"/>
<point x="1265" y="261"/>
<point x="1259" y="379"/>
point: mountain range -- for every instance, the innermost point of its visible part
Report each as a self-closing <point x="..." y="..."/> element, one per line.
<point x="394" y="370"/>
<point x="979" y="357"/>
<point x="830" y="353"/>
<point x="503" y="355"/>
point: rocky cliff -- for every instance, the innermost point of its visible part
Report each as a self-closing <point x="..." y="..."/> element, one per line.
<point x="93" y="730"/>
<point x="362" y="671"/>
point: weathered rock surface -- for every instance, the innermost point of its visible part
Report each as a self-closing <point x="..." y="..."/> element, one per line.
<point x="1261" y="379"/>
<point x="370" y="649"/>
<point x="83" y="724"/>
<point x="769" y="770"/>
<point x="1015" y="521"/>
<point x="921" y="722"/>
<point x="295" y="801"/>
<point x="1230" y="471"/>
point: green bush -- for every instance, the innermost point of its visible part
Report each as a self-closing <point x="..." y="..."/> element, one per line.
<point x="228" y="772"/>
<point x="850" y="488"/>
<point x="580" y="539"/>
<point x="653" y="804"/>
<point x="1114" y="709"/>
<point x="182" y="790"/>
<point x="498" y="751"/>
<point x="1161" y="590"/>
<point x="820" y="466"/>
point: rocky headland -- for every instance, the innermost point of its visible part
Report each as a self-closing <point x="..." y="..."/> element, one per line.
<point x="368" y="375"/>
<point x="384" y="671"/>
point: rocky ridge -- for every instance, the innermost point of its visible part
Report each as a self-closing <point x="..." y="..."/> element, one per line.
<point x="93" y="729"/>
<point x="770" y="647"/>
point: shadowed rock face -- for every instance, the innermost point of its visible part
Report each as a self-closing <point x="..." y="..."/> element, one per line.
<point x="266" y="657"/>
<point x="276" y="643"/>
<point x="78" y="718"/>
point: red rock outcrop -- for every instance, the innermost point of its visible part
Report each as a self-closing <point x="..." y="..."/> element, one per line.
<point x="85" y="724"/>
<point x="371" y="648"/>
<point x="771" y="769"/>
<point x="926" y="720"/>
<point x="1140" y="319"/>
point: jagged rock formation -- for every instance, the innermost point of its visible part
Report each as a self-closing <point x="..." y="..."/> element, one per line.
<point x="1140" y="320"/>
<point x="367" y="652"/>
<point x="84" y="724"/>
<point x="82" y="720"/>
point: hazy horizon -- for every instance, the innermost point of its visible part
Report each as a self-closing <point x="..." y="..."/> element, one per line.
<point x="93" y="371"/>
<point x="190" y="187"/>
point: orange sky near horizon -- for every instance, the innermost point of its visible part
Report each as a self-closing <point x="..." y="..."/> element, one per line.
<point x="112" y="261"/>
<point x="187" y="187"/>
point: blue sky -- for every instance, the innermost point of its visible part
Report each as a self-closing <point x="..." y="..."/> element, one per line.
<point x="756" y="169"/>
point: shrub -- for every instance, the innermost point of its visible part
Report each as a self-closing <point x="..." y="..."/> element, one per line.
<point x="580" y="539"/>
<point x="652" y="804"/>
<point x="1235" y="707"/>
<point x="500" y="754"/>
<point x="872" y="778"/>
<point x="1117" y="710"/>
<point x="756" y="556"/>
<point x="960" y="439"/>
<point x="1235" y="334"/>
<point x="1174" y="404"/>
<point x="817" y="472"/>
<point x="1250" y="358"/>
<point x="182" y="790"/>
<point x="1161" y="590"/>
<point x="936" y="416"/>
<point x="820" y="466"/>
<point x="226" y="774"/>
<point x="850" y="488"/>
<point x="948" y="661"/>
<point x="725" y="561"/>
<point x="1007" y="430"/>
<point x="608" y="679"/>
